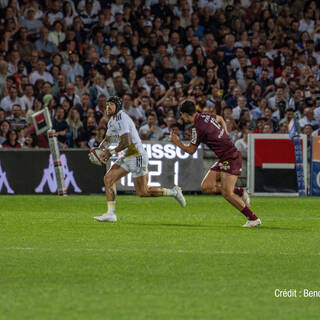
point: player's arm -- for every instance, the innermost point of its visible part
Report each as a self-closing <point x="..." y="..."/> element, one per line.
<point x="221" y="121"/>
<point x="189" y="148"/>
<point x="124" y="143"/>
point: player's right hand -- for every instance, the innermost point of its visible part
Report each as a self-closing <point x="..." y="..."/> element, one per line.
<point x="174" y="138"/>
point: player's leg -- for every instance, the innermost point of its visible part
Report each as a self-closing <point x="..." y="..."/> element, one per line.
<point x="228" y="182"/>
<point x="115" y="173"/>
<point x="211" y="184"/>
<point x="143" y="190"/>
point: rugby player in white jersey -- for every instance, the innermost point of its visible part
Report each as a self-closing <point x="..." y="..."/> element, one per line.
<point x="134" y="160"/>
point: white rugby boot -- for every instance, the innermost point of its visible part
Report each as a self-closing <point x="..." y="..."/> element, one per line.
<point x="252" y="223"/>
<point x="179" y="196"/>
<point x="106" y="217"/>
<point x="246" y="198"/>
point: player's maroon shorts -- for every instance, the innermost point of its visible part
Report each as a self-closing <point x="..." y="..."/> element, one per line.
<point x="232" y="166"/>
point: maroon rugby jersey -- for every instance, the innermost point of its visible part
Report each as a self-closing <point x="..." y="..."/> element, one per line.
<point x="206" y="129"/>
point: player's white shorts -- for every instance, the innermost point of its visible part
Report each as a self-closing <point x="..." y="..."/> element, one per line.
<point x="137" y="165"/>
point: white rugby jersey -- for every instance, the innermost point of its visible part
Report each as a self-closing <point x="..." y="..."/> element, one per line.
<point x="122" y="124"/>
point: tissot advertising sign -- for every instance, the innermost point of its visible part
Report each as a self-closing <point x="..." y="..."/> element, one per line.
<point x="32" y="172"/>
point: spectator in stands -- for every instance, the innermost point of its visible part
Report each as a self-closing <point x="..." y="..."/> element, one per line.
<point x="307" y="130"/>
<point x="24" y="46"/>
<point x="100" y="107"/>
<point x="4" y="129"/>
<point x="73" y="69"/>
<point x="242" y="104"/>
<point x="91" y="127"/>
<point x="75" y="124"/>
<point x="89" y="15"/>
<point x="308" y="119"/>
<point x="117" y="85"/>
<point x="242" y="143"/>
<point x="40" y="73"/>
<point x="12" y="140"/>
<point x="57" y="35"/>
<point x="61" y="127"/>
<point x="98" y="88"/>
<point x="267" y="128"/>
<point x="84" y="105"/>
<point x="9" y="101"/>
<point x="96" y="140"/>
<point x="30" y="141"/>
<point x="2" y="115"/>
<point x="54" y="13"/>
<point x="233" y="100"/>
<point x="31" y="23"/>
<point x="272" y="122"/>
<point x="150" y="131"/>
<point x="28" y="98"/>
<point x="45" y="47"/>
<point x="274" y="101"/>
<point x="36" y="106"/>
<point x="16" y="120"/>
<point x="219" y="53"/>
<point x="70" y="96"/>
<point x="4" y="72"/>
<point x="68" y="13"/>
<point x="284" y="127"/>
<point x="175" y="129"/>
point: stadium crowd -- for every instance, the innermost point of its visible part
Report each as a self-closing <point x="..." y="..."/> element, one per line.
<point x="253" y="62"/>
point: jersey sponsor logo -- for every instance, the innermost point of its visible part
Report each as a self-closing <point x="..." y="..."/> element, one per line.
<point x="49" y="177"/>
<point x="194" y="136"/>
<point x="224" y="165"/>
<point x="4" y="181"/>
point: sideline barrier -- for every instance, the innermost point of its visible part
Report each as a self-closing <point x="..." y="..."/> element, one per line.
<point x="32" y="171"/>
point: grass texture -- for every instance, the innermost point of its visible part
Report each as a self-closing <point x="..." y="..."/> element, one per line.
<point x="159" y="261"/>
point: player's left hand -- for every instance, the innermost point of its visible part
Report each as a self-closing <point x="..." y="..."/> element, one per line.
<point x="174" y="138"/>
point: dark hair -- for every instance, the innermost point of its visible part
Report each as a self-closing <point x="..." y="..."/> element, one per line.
<point x="188" y="107"/>
<point x="9" y="132"/>
<point x="34" y="139"/>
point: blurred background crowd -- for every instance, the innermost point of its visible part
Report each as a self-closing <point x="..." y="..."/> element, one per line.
<point x="256" y="63"/>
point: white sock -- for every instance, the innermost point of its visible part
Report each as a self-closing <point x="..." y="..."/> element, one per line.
<point x="169" y="192"/>
<point x="111" y="207"/>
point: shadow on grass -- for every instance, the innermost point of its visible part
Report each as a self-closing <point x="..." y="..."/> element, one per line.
<point x="212" y="227"/>
<point x="281" y="228"/>
<point x="180" y="225"/>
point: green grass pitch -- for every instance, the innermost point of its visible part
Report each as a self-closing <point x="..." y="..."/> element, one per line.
<point x="158" y="261"/>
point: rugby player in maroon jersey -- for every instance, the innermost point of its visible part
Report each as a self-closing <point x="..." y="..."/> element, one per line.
<point x="223" y="175"/>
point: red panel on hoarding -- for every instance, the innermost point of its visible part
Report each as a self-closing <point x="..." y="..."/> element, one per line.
<point x="273" y="151"/>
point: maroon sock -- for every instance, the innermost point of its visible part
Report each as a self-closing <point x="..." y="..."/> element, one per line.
<point x="238" y="191"/>
<point x="249" y="214"/>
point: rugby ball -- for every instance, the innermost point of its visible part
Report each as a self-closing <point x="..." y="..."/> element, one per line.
<point x="96" y="156"/>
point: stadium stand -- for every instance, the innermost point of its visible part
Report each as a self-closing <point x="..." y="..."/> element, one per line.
<point x="253" y="62"/>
